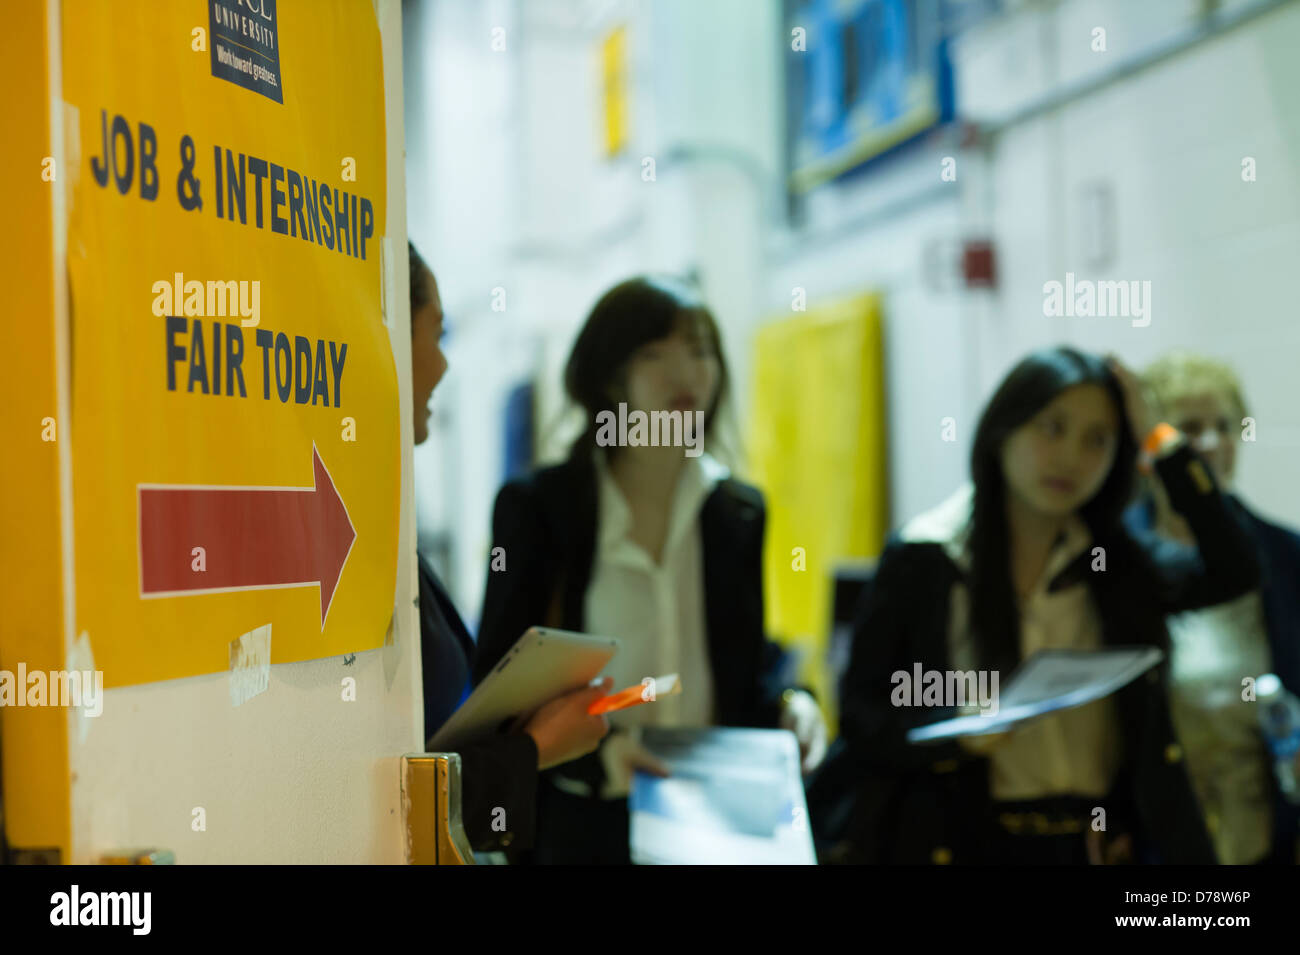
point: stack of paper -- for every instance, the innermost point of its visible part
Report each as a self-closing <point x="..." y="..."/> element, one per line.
<point x="735" y="797"/>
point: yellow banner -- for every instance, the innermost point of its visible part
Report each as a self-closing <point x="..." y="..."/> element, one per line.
<point x="818" y="447"/>
<point x="236" y="457"/>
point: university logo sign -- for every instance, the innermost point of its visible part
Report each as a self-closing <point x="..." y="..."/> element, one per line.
<point x="245" y="45"/>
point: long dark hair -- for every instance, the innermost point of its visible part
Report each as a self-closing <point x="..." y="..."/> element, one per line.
<point x="1027" y="389"/>
<point x="632" y="313"/>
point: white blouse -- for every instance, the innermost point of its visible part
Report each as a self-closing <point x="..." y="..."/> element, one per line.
<point x="656" y="610"/>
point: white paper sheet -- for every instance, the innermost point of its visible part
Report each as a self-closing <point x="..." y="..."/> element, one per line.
<point x="1048" y="681"/>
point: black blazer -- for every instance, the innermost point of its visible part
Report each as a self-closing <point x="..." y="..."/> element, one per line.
<point x="546" y="524"/>
<point x="915" y="801"/>
<point x="499" y="772"/>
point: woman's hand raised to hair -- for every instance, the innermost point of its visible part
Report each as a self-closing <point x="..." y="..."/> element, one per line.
<point x="1137" y="409"/>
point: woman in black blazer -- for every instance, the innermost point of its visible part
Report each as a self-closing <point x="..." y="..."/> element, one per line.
<point x="651" y="344"/>
<point x="1036" y="556"/>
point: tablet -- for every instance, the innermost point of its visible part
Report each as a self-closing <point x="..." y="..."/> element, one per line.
<point x="540" y="666"/>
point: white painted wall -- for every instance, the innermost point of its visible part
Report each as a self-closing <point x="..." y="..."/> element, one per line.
<point x="510" y="143"/>
<point x="1169" y="142"/>
<point x="294" y="775"/>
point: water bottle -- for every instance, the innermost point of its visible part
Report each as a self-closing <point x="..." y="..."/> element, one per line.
<point x="1279" y="718"/>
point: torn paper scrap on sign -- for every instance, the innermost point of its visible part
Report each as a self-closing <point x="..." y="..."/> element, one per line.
<point x="250" y="665"/>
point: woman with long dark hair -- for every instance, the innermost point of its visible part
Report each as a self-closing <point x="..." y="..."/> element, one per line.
<point x="643" y="536"/>
<point x="1033" y="557"/>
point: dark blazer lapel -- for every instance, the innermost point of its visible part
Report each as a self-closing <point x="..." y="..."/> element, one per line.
<point x="568" y="494"/>
<point x="730" y="530"/>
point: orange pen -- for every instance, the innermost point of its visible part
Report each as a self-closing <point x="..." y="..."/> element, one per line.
<point x="647" y="691"/>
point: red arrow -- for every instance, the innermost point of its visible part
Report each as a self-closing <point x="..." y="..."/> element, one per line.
<point x="254" y="538"/>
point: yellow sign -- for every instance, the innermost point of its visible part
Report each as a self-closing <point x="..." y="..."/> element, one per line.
<point x="613" y="59"/>
<point x="236" y="456"/>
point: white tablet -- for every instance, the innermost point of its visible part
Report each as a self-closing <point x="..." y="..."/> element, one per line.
<point x="540" y="666"/>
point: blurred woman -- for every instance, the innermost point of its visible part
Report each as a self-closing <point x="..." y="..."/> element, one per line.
<point x="1215" y="649"/>
<point x="1034" y="557"/>
<point x="498" y="773"/>
<point x="655" y="545"/>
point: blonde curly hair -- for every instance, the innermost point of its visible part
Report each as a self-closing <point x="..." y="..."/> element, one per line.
<point x="1184" y="374"/>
